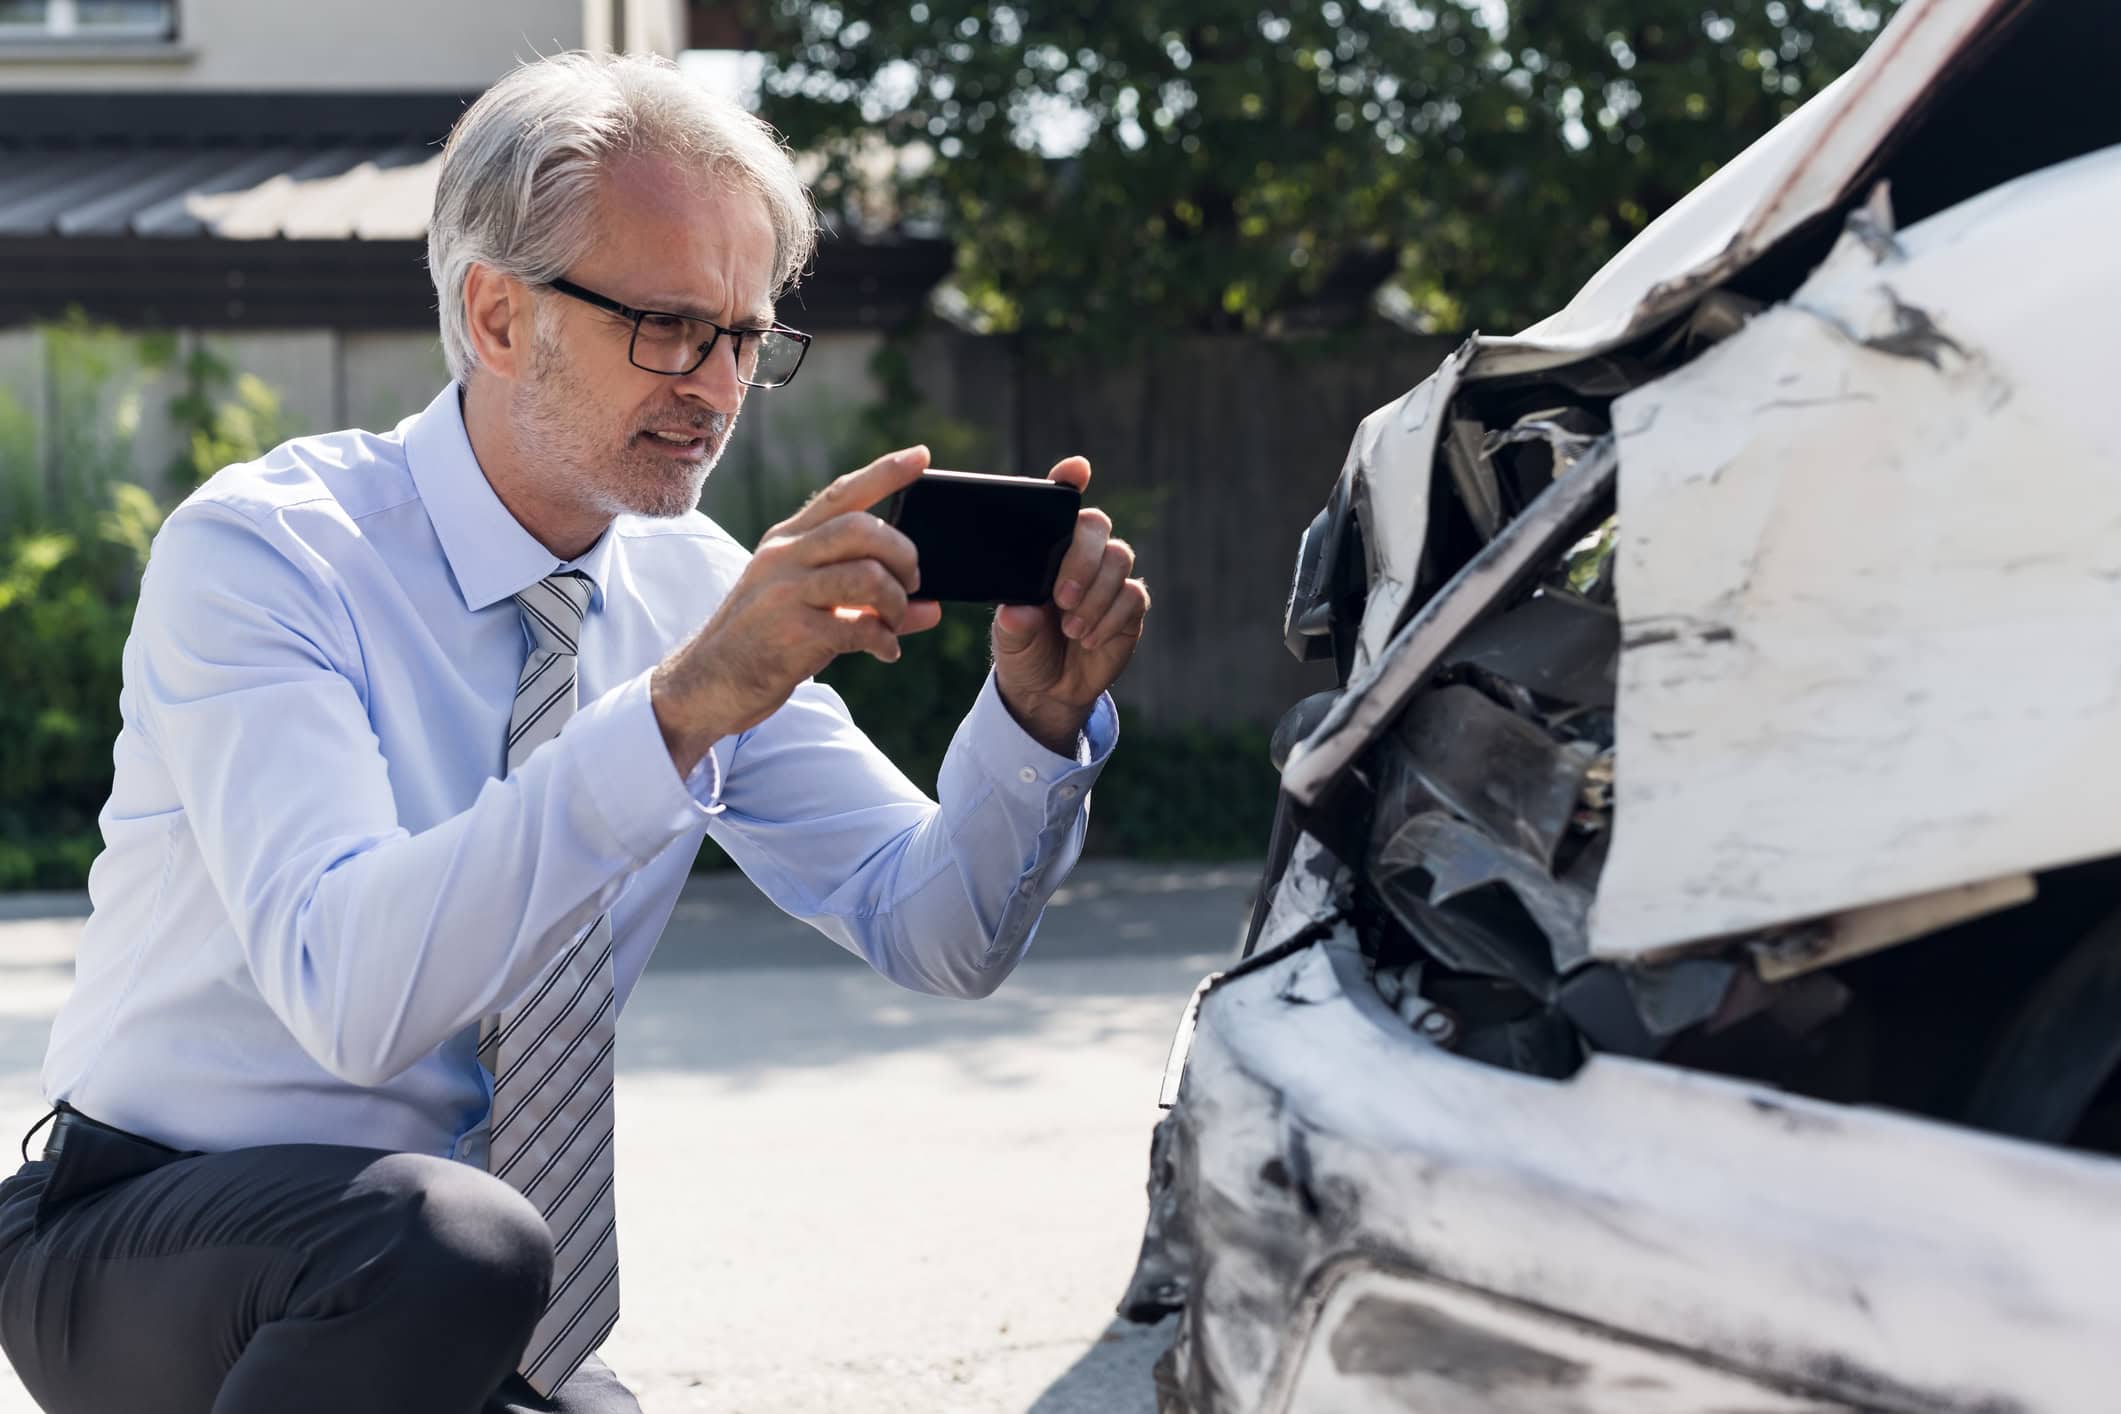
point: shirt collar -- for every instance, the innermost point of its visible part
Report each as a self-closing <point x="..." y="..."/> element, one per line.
<point x="490" y="554"/>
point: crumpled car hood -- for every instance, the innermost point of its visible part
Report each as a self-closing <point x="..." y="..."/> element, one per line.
<point x="1811" y="162"/>
<point x="1709" y="813"/>
<point x="1854" y="667"/>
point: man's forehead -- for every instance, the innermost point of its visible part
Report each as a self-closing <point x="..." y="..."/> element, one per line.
<point x="679" y="302"/>
<point x="686" y="240"/>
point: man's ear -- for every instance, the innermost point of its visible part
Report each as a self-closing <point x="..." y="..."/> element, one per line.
<point x="502" y="321"/>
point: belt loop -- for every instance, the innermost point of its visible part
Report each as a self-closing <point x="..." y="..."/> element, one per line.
<point x="33" y="1130"/>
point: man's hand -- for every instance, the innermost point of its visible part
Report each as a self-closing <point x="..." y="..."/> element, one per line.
<point x="1052" y="661"/>
<point x="828" y="580"/>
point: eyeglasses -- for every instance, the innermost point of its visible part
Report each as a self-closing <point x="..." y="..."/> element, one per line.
<point x="676" y="344"/>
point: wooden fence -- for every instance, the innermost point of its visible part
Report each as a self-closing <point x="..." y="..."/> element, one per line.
<point x="1211" y="452"/>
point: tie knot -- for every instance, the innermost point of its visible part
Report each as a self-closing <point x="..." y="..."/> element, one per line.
<point x="553" y="609"/>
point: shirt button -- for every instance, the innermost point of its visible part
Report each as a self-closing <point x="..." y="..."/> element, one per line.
<point x="1067" y="792"/>
<point x="1028" y="776"/>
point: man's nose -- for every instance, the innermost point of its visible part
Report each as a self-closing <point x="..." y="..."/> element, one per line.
<point x="715" y="382"/>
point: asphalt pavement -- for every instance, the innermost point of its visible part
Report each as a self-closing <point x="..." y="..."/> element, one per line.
<point x="836" y="1195"/>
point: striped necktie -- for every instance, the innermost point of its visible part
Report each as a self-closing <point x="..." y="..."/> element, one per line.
<point x="551" y="1053"/>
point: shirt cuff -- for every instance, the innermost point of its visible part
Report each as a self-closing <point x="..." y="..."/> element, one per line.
<point x="1018" y="764"/>
<point x="616" y="752"/>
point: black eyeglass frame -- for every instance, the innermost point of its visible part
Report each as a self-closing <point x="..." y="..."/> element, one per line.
<point x="635" y="316"/>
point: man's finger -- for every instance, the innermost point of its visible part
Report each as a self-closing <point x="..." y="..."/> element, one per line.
<point x="859" y="490"/>
<point x="859" y="535"/>
<point x="1116" y="565"/>
<point x="1085" y="554"/>
<point x="862" y="633"/>
<point x="1124" y="619"/>
<point x="921" y="615"/>
<point x="857" y="584"/>
<point x="1075" y="471"/>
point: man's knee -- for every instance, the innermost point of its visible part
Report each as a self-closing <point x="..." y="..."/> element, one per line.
<point x="463" y="1244"/>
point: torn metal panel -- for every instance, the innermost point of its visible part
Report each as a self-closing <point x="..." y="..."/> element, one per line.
<point x="1182" y="1042"/>
<point x="1625" y="1199"/>
<point x="1720" y="314"/>
<point x="1463" y="939"/>
<point x="1312" y="892"/>
<point x="1456" y="859"/>
<point x="1635" y="1012"/>
<point x="1390" y="463"/>
<point x="1324" y="574"/>
<point x="1377" y="694"/>
<point x="1494" y="768"/>
<point x="1479" y="493"/>
<point x="1558" y="645"/>
<point x="1867" y="674"/>
<point x="1681" y="993"/>
<point x="1533" y="450"/>
<point x="1861" y="931"/>
<point x="1598" y="1002"/>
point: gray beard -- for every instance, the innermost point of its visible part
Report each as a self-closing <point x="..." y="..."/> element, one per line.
<point x="639" y="481"/>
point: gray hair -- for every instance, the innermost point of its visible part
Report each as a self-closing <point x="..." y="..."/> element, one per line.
<point x="519" y="173"/>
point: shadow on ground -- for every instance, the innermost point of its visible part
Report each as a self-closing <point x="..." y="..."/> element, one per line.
<point x="1113" y="1375"/>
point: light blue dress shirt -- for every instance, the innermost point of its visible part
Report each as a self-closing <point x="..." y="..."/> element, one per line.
<point x="317" y="878"/>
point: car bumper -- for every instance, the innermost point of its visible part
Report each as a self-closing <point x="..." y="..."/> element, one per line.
<point x="1354" y="1219"/>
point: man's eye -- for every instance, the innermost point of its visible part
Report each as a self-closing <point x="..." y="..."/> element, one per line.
<point x="662" y="323"/>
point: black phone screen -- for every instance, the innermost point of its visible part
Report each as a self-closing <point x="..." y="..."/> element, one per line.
<point x="986" y="539"/>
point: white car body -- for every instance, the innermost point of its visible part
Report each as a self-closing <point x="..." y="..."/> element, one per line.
<point x="1869" y="685"/>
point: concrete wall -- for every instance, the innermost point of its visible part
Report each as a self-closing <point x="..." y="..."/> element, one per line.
<point x="455" y="46"/>
<point x="86" y="431"/>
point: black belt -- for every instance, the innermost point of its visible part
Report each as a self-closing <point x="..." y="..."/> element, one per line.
<point x="88" y="1156"/>
<point x="65" y="1123"/>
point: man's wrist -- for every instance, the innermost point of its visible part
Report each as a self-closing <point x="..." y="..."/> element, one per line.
<point x="686" y="737"/>
<point x="1057" y="726"/>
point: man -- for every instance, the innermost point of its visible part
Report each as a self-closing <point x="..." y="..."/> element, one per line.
<point x="334" y="1084"/>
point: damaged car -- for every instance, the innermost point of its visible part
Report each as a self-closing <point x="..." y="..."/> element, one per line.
<point x="1687" y="972"/>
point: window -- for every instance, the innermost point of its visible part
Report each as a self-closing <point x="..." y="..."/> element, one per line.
<point x="88" y="19"/>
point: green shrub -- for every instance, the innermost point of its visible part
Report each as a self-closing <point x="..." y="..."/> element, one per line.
<point x="231" y="417"/>
<point x="66" y="604"/>
<point x="1193" y="792"/>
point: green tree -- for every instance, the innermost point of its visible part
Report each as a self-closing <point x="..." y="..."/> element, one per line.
<point x="1216" y="163"/>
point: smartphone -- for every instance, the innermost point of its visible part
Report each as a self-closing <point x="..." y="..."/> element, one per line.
<point x="986" y="539"/>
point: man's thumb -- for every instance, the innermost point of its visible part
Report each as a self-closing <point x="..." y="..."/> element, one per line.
<point x="1017" y="627"/>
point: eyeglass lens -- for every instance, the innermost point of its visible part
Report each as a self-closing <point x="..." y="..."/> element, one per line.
<point x="668" y="343"/>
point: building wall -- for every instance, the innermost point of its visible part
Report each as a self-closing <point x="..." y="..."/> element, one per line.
<point x="455" y="46"/>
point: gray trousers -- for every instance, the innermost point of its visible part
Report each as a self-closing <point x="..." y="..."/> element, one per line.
<point x="304" y="1276"/>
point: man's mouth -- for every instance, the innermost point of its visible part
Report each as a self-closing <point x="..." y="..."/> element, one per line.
<point x="681" y="443"/>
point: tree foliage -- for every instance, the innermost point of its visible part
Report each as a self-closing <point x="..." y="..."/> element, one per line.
<point x="1221" y="163"/>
